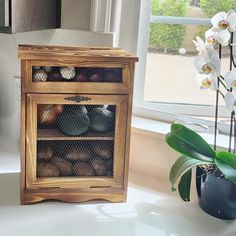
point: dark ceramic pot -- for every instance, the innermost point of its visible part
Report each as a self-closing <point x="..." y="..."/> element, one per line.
<point x="217" y="195"/>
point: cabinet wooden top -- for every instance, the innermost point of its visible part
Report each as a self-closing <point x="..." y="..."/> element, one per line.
<point x="94" y="53"/>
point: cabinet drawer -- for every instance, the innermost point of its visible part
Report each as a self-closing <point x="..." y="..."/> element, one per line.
<point x="80" y="77"/>
<point x="75" y="141"/>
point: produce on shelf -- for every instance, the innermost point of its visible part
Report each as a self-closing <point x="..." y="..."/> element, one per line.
<point x="55" y="76"/>
<point x="47" y="170"/>
<point x="99" y="166"/>
<point x="64" y="167"/>
<point x="101" y="119"/>
<point x="83" y="169"/>
<point x="47" y="69"/>
<point x="47" y="114"/>
<point x="78" y="154"/>
<point x="95" y="78"/>
<point x="44" y="152"/>
<point x="67" y="73"/>
<point x="81" y="77"/>
<point x="102" y="149"/>
<point x="40" y="76"/>
<point x="74" y="120"/>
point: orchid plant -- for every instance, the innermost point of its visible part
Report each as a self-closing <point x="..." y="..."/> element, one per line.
<point x="208" y="63"/>
<point x="194" y="149"/>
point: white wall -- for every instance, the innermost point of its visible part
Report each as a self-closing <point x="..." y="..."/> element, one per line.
<point x="150" y="155"/>
<point x="75" y="14"/>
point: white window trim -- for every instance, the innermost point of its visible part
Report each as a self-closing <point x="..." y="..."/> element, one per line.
<point x="161" y="111"/>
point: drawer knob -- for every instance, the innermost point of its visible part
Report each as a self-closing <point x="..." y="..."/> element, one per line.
<point x="78" y="99"/>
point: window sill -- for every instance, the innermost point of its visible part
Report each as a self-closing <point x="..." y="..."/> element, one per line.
<point x="159" y="129"/>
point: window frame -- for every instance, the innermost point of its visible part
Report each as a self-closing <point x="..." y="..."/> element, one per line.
<point x="169" y="112"/>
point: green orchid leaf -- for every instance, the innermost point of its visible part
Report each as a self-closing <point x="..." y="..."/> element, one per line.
<point x="227" y="157"/>
<point x="185" y="148"/>
<point x="184" y="186"/>
<point x="189" y="143"/>
<point x="181" y="166"/>
<point x="226" y="162"/>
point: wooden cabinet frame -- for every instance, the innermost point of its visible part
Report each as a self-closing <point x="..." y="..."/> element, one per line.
<point x="32" y="182"/>
<point x="112" y="188"/>
<point x="72" y="87"/>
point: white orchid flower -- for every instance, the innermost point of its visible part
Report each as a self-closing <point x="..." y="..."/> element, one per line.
<point x="201" y="47"/>
<point x="230" y="79"/>
<point x="208" y="63"/>
<point x="212" y="37"/>
<point x="207" y="81"/>
<point x="224" y="21"/>
<point x="230" y="101"/>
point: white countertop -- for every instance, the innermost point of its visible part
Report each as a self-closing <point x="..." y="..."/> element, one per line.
<point x="150" y="210"/>
<point x="147" y="212"/>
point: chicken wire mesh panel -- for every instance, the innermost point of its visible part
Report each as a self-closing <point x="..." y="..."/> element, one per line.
<point x="76" y="74"/>
<point x="84" y="158"/>
<point x="76" y="120"/>
<point x="59" y="153"/>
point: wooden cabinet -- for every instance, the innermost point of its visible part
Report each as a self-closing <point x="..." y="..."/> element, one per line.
<point x="27" y="15"/>
<point x="75" y="123"/>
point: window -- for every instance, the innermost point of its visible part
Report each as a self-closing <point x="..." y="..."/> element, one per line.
<point x="166" y="84"/>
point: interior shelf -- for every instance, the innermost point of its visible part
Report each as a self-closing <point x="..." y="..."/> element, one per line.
<point x="50" y="134"/>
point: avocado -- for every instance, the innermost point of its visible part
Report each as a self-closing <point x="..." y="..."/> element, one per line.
<point x="73" y="120"/>
<point x="101" y="120"/>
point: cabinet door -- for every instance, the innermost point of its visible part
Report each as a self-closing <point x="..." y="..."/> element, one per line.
<point x="79" y="77"/>
<point x="75" y="140"/>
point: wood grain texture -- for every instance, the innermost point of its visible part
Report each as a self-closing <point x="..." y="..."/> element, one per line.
<point x="78" y="87"/>
<point x="22" y="134"/>
<point x="75" y="189"/>
<point x="49" y="134"/>
<point x="74" y="196"/>
<point x="32" y="182"/>
<point x="66" y="52"/>
<point x="128" y="129"/>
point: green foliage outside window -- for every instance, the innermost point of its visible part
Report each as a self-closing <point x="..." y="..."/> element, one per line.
<point x="211" y="7"/>
<point x="165" y="36"/>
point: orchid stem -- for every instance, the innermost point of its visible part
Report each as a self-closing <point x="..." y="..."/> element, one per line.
<point x="231" y="129"/>
<point x="221" y="94"/>
<point x="231" y="51"/>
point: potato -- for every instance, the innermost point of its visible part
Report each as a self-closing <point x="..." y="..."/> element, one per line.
<point x="83" y="169"/>
<point x="47" y="170"/>
<point x="65" y="167"/>
<point x="78" y="154"/>
<point x="99" y="166"/>
<point x="103" y="150"/>
<point x="44" y="153"/>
